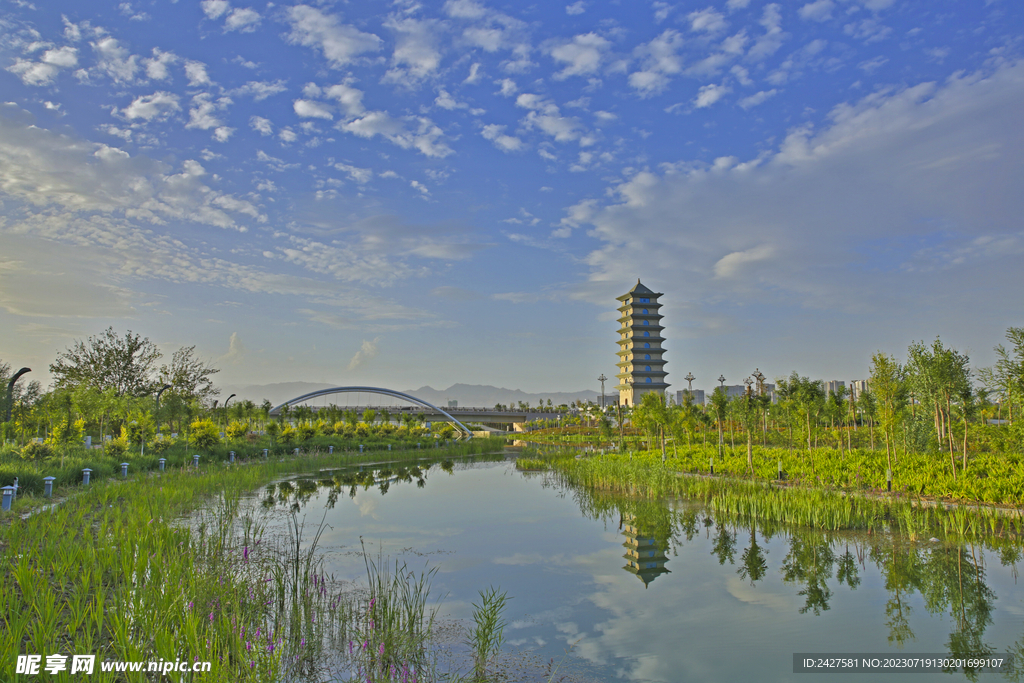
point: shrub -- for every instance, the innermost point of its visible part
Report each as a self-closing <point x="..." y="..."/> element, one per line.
<point x="237" y="430"/>
<point x="287" y="435"/>
<point x="205" y="434"/>
<point x="36" y="451"/>
<point x="305" y="433"/>
<point x="159" y="445"/>
<point x="116" y="448"/>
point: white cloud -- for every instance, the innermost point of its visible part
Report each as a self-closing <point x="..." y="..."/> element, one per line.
<point x="819" y="10"/>
<point x="46" y="69"/>
<point x="260" y="90"/>
<point x="707" y="21"/>
<point x="64" y="176"/>
<point x="869" y="30"/>
<point x="128" y="11"/>
<point x="709" y="94"/>
<point x="773" y="37"/>
<point x="578" y="7"/>
<point x="222" y="133"/>
<point x="359" y="175"/>
<point x="156" y="67"/>
<point x="787" y="227"/>
<point x="367" y="352"/>
<point x="757" y="98"/>
<point x="731" y="264"/>
<point x="734" y="5"/>
<point x="426" y="139"/>
<point x="202" y="112"/>
<point x="261" y="125"/>
<point x="215" y="8"/>
<point x="339" y="43"/>
<point x="582" y="55"/>
<point x="350" y="99"/>
<point x="474" y="74"/>
<point x="506" y="143"/>
<point x="464" y="9"/>
<point x="416" y="55"/>
<point x="196" y="74"/>
<point x="114" y="60"/>
<point x="660" y="61"/>
<point x="243" y="20"/>
<point x="310" y="109"/>
<point x="157" y="106"/>
<point x="508" y="87"/>
<point x="446" y="101"/>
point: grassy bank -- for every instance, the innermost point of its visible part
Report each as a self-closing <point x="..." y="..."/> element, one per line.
<point x="111" y="572"/>
<point x="990" y="478"/>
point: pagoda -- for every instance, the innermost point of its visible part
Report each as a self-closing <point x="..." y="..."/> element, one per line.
<point x="641" y="355"/>
<point x="645" y="555"/>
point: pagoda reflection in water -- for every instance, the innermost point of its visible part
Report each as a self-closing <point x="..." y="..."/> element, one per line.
<point x="645" y="552"/>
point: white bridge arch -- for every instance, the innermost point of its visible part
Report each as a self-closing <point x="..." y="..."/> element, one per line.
<point x="372" y="390"/>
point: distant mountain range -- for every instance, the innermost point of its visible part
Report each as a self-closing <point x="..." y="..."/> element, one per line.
<point x="468" y="395"/>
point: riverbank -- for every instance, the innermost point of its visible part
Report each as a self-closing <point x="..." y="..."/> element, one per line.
<point x="111" y="572"/>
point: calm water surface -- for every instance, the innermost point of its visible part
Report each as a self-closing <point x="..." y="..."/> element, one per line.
<point x="662" y="592"/>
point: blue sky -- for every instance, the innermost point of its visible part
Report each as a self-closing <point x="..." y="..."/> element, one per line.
<point x="400" y="194"/>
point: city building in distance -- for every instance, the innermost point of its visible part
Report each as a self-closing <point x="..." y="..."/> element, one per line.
<point x="641" y="355"/>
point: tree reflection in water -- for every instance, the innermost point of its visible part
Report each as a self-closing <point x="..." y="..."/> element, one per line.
<point x="949" y="577"/>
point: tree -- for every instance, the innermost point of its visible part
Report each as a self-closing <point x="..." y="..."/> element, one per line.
<point x="652" y="416"/>
<point x="1006" y="378"/>
<point x="889" y="388"/>
<point x="107" y="361"/>
<point x="941" y="375"/>
<point x="719" y="406"/>
<point x="189" y="376"/>
<point x="808" y="398"/>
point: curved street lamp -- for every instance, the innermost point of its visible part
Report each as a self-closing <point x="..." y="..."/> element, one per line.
<point x="228" y="399"/>
<point x="162" y="390"/>
<point x="10" y="391"/>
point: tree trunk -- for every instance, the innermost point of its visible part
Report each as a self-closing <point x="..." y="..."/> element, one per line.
<point x="965" y="441"/>
<point x="750" y="453"/>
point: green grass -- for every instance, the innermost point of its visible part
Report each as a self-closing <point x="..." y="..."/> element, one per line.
<point x="112" y="572"/>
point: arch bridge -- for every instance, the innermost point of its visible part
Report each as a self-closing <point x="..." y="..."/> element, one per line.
<point x="465" y="431"/>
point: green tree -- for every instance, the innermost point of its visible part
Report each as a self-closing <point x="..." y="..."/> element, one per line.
<point x="108" y="361"/>
<point x="719" y="408"/>
<point x="189" y="376"/>
<point x="888" y="385"/>
<point x="652" y="416"/>
<point x="1006" y="378"/>
<point x="808" y="400"/>
<point x="939" y="375"/>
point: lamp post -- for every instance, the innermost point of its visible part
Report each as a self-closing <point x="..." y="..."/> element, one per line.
<point x="10" y="391"/>
<point x="602" y="379"/>
<point x="228" y="399"/>
<point x="748" y="382"/>
<point x="721" y="381"/>
<point x="689" y="383"/>
<point x="760" y="381"/>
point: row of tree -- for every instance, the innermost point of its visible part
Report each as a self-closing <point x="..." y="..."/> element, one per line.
<point x="927" y="402"/>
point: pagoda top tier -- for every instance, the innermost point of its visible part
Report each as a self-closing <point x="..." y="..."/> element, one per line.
<point x="639" y="290"/>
